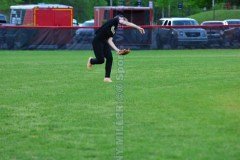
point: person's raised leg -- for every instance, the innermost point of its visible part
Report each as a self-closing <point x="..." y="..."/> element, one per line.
<point x="89" y="64"/>
<point x="99" y="54"/>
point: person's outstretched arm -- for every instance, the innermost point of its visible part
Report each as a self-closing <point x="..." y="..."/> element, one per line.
<point x="110" y="42"/>
<point x="141" y="30"/>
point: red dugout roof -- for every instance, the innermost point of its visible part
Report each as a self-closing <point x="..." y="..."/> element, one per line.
<point x="122" y="7"/>
<point x="31" y="6"/>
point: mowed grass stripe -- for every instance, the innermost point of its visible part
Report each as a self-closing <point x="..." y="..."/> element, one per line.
<point x="180" y="104"/>
<point x="184" y="106"/>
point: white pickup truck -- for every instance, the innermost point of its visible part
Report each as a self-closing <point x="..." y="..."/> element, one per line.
<point x="180" y="32"/>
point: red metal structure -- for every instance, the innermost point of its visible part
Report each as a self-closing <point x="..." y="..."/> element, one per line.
<point x="41" y="15"/>
<point x="142" y="16"/>
<point x="137" y="15"/>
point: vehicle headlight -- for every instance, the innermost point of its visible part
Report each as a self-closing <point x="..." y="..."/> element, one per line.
<point x="204" y="34"/>
<point x="77" y="31"/>
<point x="180" y="33"/>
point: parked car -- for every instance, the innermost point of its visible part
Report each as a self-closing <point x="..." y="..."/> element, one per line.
<point x="88" y="23"/>
<point x="215" y="32"/>
<point x="231" y="22"/>
<point x="174" y="33"/>
<point x="232" y="33"/>
<point x="85" y="33"/>
<point x="3" y="19"/>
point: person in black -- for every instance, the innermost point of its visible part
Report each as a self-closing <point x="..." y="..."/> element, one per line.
<point x="103" y="41"/>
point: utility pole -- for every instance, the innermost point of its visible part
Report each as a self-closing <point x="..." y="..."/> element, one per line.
<point x="169" y="10"/>
<point x="213" y="7"/>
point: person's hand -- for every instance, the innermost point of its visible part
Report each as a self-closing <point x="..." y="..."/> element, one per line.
<point x="141" y="30"/>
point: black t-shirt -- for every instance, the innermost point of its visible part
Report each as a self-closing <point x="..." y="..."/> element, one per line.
<point x="108" y="29"/>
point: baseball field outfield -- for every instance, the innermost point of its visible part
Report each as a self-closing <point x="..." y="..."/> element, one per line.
<point x="171" y="105"/>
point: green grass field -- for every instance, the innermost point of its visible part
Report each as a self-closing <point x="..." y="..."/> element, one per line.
<point x="181" y="104"/>
<point x="219" y="15"/>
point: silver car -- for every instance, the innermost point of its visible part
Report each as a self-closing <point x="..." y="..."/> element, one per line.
<point x="85" y="33"/>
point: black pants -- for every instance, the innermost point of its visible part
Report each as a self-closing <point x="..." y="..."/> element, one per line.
<point x="102" y="50"/>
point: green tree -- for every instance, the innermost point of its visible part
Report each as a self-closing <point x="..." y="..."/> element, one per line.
<point x="83" y="9"/>
<point x="5" y="4"/>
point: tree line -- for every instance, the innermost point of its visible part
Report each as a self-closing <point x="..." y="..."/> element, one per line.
<point x="83" y="9"/>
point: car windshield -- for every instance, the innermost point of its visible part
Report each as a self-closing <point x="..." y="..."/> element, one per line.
<point x="184" y="23"/>
<point x="2" y="17"/>
<point x="88" y="24"/>
<point x="233" y="22"/>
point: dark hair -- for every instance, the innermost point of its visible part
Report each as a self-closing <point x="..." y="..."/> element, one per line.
<point x="119" y="15"/>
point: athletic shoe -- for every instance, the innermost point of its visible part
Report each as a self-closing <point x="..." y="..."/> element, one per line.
<point x="89" y="65"/>
<point x="107" y="80"/>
